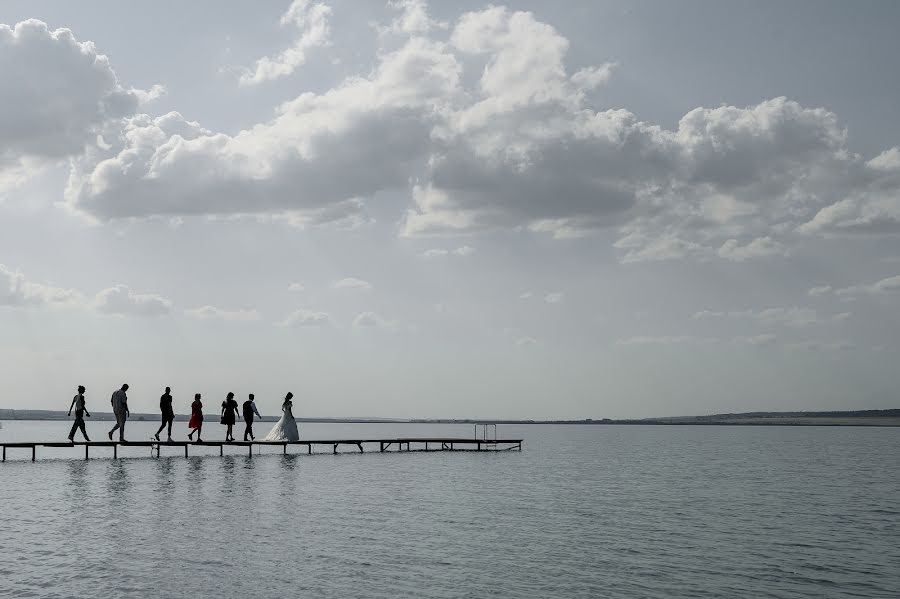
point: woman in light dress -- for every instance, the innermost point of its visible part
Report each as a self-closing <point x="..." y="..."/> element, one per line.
<point x="286" y="428"/>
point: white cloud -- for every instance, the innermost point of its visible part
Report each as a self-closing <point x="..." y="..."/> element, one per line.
<point x="352" y="283"/>
<point x="15" y="290"/>
<point x="555" y="297"/>
<point x="755" y="340"/>
<point x="315" y="160"/>
<point x="793" y="317"/>
<point x="296" y="287"/>
<point x="370" y="319"/>
<point x="820" y="346"/>
<point x="460" y="251"/>
<point x="413" y="19"/>
<point x="757" y="248"/>
<point x="888" y="285"/>
<point x="213" y="313"/>
<point x="526" y="295"/>
<point x="120" y="299"/>
<point x="58" y="95"/>
<point x="665" y="340"/>
<point x="314" y="31"/>
<point x="306" y="318"/>
<point x="820" y="291"/>
<point x="517" y="145"/>
<point x="526" y="342"/>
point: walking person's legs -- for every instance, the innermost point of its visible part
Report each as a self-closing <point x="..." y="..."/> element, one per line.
<point x="161" y="427"/>
<point x="74" y="428"/>
<point x="171" y="420"/>
<point x="83" y="429"/>
<point x="115" y="428"/>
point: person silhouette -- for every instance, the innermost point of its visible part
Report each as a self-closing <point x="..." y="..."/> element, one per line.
<point x="168" y="415"/>
<point x="80" y="411"/>
<point x="119" y="401"/>
<point x="196" y="423"/>
<point x="229" y="415"/>
<point x="249" y="411"/>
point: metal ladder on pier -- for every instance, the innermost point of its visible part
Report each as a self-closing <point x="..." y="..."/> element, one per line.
<point x="488" y="434"/>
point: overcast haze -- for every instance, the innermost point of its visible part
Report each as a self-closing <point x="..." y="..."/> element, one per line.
<point x="531" y="210"/>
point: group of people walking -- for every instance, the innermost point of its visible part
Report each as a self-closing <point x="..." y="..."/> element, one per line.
<point x="284" y="430"/>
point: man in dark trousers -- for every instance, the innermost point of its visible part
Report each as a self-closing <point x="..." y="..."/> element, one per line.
<point x="249" y="411"/>
<point x="80" y="411"/>
<point x="168" y="414"/>
<point x="119" y="401"/>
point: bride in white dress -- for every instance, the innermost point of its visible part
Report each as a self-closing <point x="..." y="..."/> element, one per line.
<point x="286" y="428"/>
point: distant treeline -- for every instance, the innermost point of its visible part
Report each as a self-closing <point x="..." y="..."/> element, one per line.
<point x="710" y="419"/>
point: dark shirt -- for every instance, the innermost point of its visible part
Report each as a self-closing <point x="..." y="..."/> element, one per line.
<point x="230" y="406"/>
<point x="165" y="403"/>
<point x="248" y="410"/>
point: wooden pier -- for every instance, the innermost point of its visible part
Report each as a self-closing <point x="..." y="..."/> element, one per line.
<point x="401" y="444"/>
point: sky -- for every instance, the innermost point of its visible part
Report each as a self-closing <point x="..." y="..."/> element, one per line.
<point x="590" y="209"/>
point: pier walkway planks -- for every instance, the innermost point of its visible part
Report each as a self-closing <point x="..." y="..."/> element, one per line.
<point x="401" y="444"/>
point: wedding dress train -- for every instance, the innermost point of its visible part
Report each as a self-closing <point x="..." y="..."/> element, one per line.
<point x="286" y="428"/>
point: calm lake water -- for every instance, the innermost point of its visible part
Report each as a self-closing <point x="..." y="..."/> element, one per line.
<point x="581" y="511"/>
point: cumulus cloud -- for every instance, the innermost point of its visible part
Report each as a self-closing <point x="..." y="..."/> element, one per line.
<point x="755" y="340"/>
<point x="888" y="285"/>
<point x="315" y="160"/>
<point x="820" y="291"/>
<point x="758" y="248"/>
<point x="120" y="299"/>
<point x="793" y="317"/>
<point x="213" y="313"/>
<point x="58" y="95"/>
<point x="372" y="319"/>
<point x="306" y="318"/>
<point x="460" y="251"/>
<point x="518" y="145"/>
<point x="555" y="297"/>
<point x="834" y="346"/>
<point x="313" y="31"/>
<point x="413" y="18"/>
<point x="15" y="290"/>
<point x="665" y="340"/>
<point x="352" y="283"/>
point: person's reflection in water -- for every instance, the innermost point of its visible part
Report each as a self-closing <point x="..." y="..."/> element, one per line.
<point x="77" y="470"/>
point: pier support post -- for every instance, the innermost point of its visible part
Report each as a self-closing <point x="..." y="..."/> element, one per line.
<point x="33" y="452"/>
<point x="285" y="449"/>
<point x="360" y="447"/>
<point x="250" y="448"/>
<point x="221" y="450"/>
<point x="185" y="450"/>
<point x="309" y="449"/>
<point x="335" y="448"/>
<point x="86" y="446"/>
<point x="4" y="453"/>
<point x="115" y="451"/>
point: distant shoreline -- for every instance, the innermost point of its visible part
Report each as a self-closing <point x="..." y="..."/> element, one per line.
<point x="888" y="418"/>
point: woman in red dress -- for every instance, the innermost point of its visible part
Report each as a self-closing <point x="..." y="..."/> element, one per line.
<point x="196" y="422"/>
